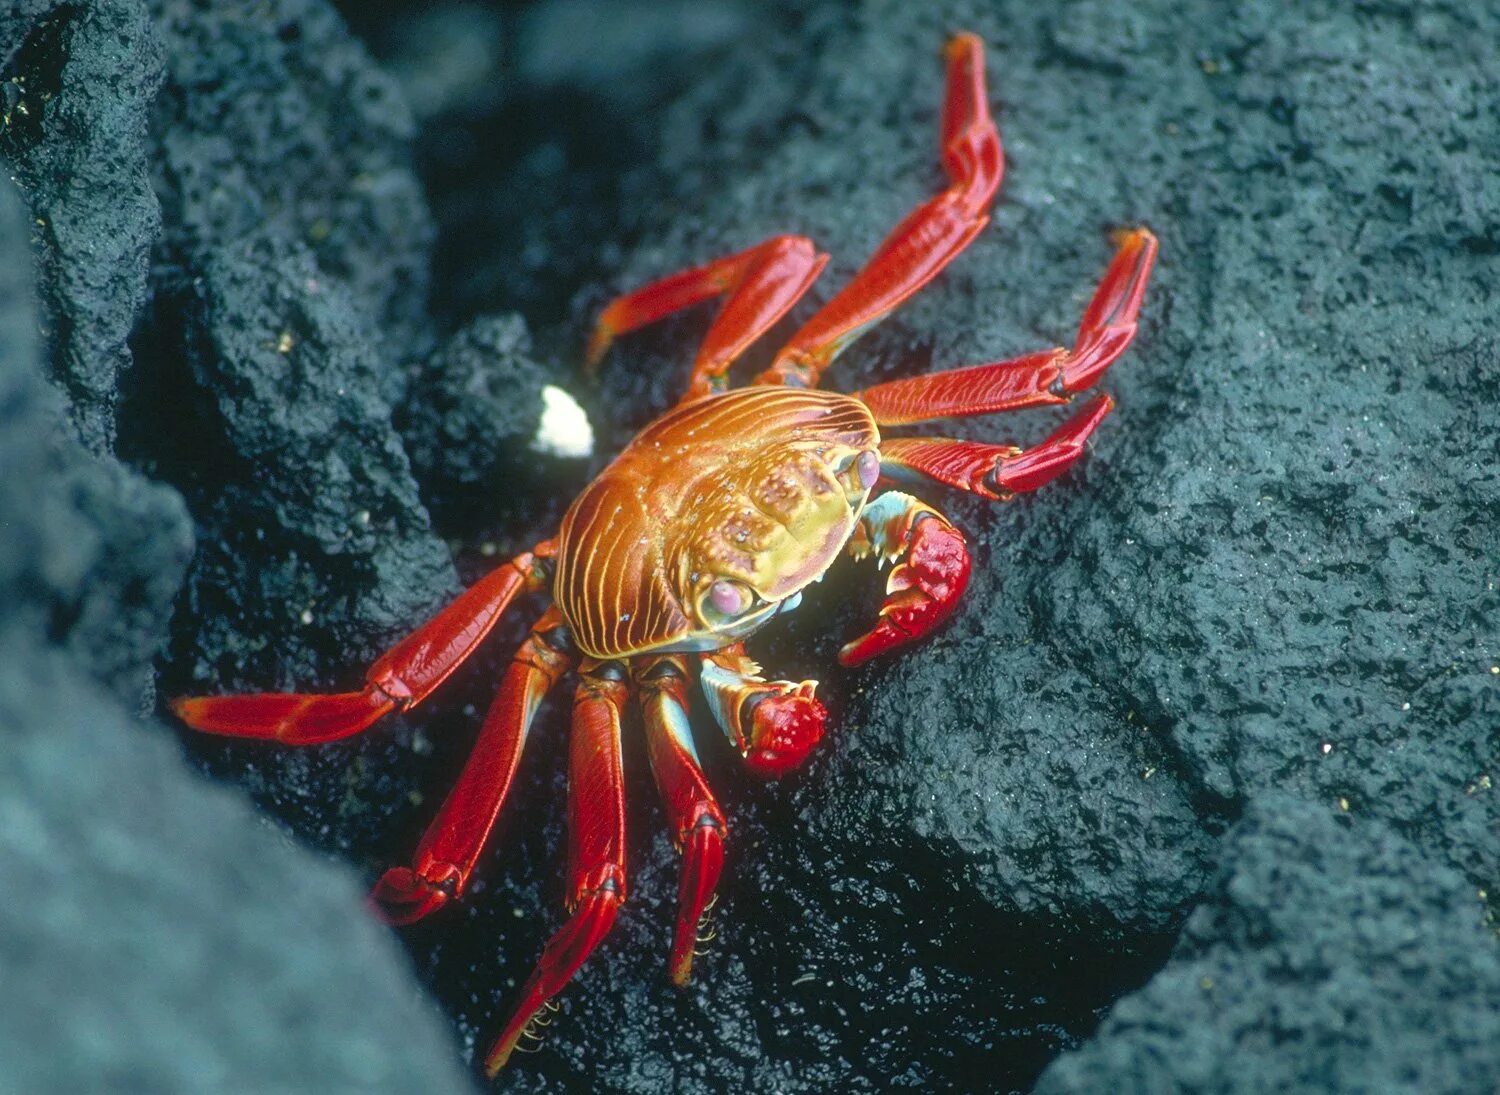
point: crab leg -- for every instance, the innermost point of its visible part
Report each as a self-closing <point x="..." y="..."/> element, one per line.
<point x="1049" y="377"/>
<point x="762" y="284"/>
<point x="596" y="848"/>
<point x="773" y="724"/>
<point x="401" y="678"/>
<point x="698" y="827"/>
<point x="997" y="471"/>
<point x="926" y="583"/>
<point x="928" y="239"/>
<point x="445" y="858"/>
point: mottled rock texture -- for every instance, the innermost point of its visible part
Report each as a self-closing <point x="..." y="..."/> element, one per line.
<point x="1221" y="705"/>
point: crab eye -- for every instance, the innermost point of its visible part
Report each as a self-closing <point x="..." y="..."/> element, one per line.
<point x="728" y="598"/>
<point x="867" y="467"/>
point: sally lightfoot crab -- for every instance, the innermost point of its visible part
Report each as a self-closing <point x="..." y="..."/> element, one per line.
<point x="708" y="526"/>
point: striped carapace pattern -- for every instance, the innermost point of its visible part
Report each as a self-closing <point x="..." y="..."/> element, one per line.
<point x="743" y="485"/>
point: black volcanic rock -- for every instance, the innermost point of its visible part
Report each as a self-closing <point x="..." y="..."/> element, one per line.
<point x="1330" y="954"/>
<point x="156" y="936"/>
<point x="1231" y="682"/>
<point x="79" y="82"/>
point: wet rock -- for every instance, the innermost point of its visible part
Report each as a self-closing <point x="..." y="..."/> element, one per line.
<point x="294" y="260"/>
<point x="158" y="936"/>
<point x="479" y="405"/>
<point x="1330" y="953"/>
<point x="78" y="87"/>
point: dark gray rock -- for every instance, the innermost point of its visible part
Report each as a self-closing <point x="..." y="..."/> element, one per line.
<point x="477" y="408"/>
<point x="154" y="936"/>
<point x="79" y="82"/>
<point x="274" y="123"/>
<point x="165" y="941"/>
<point x="1323" y="944"/>
<point x="99" y="557"/>
<point x="291" y="303"/>
<point x="314" y="465"/>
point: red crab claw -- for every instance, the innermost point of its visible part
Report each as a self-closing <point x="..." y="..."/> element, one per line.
<point x="784" y="728"/>
<point x="773" y="724"/>
<point x="923" y="589"/>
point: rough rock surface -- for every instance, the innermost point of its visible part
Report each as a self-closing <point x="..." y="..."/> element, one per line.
<point x="1324" y="941"/>
<point x="155" y="935"/>
<point x="1234" y="672"/>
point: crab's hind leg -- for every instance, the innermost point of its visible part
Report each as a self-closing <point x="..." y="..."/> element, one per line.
<point x="930" y="575"/>
<point x="996" y="471"/>
<point x="450" y="847"/>
<point x="698" y="827"/>
<point x="596" y="849"/>
<point x="773" y="724"/>
<point x="401" y="678"/>
<point x="761" y="284"/>
<point x="1048" y="377"/>
<point x="928" y="239"/>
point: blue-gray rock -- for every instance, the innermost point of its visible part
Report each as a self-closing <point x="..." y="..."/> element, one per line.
<point x="1330" y="954"/>
<point x="154" y="935"/>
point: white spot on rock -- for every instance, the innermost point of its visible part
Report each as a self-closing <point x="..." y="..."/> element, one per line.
<point x="564" y="429"/>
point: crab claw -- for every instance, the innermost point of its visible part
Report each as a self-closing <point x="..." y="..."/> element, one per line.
<point x="923" y="589"/>
<point x="773" y="724"/>
<point x="785" y="725"/>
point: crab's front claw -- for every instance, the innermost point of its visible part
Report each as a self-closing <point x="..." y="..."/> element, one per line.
<point x="404" y="895"/>
<point x="773" y="724"/>
<point x="924" y="586"/>
<point x="784" y="727"/>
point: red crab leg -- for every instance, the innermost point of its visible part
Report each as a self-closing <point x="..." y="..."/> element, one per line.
<point x="445" y="858"/>
<point x="698" y="827"/>
<point x="925" y="584"/>
<point x="762" y="283"/>
<point x="596" y="849"/>
<point x="997" y="471"/>
<point x="401" y="678"/>
<point x="773" y="724"/>
<point x="1051" y="376"/>
<point x="928" y="239"/>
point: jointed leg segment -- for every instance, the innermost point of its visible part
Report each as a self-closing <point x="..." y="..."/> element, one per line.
<point x="596" y="847"/>
<point x="762" y="284"/>
<point x="449" y="849"/>
<point x="1048" y="377"/>
<point x="928" y="239"/>
<point x="401" y="678"/>
<point x="698" y="826"/>
<point x="997" y="471"/>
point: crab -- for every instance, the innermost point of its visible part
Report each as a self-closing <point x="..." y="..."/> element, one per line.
<point x="705" y="528"/>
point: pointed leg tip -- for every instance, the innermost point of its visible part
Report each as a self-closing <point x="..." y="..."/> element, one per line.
<point x="403" y="897"/>
<point x="497" y="1059"/>
<point x="599" y="343"/>
<point x="680" y="966"/>
<point x="961" y="43"/>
